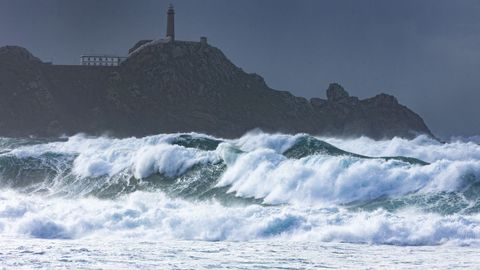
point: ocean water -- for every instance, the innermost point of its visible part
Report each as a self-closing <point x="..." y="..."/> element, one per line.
<point x="263" y="201"/>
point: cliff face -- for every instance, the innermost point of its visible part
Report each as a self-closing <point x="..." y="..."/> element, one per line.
<point x="178" y="87"/>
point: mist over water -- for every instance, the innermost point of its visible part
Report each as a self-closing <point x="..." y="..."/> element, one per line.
<point x="260" y="187"/>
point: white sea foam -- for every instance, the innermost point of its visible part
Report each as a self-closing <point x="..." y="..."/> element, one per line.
<point x="259" y="140"/>
<point x="171" y="160"/>
<point x="256" y="167"/>
<point x="150" y="216"/>
<point x="272" y="177"/>
<point x="466" y="139"/>
<point x="307" y="193"/>
<point x="107" y="156"/>
<point x="422" y="147"/>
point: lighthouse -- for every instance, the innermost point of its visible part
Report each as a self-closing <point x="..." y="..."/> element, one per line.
<point x="171" y="23"/>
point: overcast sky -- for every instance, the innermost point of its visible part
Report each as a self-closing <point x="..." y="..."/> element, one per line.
<point x="426" y="53"/>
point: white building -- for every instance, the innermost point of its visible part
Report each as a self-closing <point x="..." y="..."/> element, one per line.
<point x="101" y="60"/>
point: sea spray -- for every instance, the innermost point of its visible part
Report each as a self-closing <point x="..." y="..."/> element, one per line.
<point x="155" y="216"/>
<point x="260" y="186"/>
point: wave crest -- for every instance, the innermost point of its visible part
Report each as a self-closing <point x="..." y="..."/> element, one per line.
<point x="272" y="168"/>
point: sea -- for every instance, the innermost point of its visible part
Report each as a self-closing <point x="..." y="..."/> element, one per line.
<point x="261" y="201"/>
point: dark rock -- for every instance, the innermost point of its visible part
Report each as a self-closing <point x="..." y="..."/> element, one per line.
<point x="384" y="100"/>
<point x="317" y="102"/>
<point x="335" y="92"/>
<point x="178" y="87"/>
<point x="16" y="54"/>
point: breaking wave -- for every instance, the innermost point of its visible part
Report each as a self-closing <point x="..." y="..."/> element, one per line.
<point x="195" y="186"/>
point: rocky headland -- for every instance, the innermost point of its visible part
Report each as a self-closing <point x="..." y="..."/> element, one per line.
<point x="179" y="86"/>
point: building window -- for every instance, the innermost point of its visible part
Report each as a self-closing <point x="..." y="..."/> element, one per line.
<point x="100" y="60"/>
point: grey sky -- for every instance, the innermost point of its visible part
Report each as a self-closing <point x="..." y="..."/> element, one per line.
<point x="427" y="53"/>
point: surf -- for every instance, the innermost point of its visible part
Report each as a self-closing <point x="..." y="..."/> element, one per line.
<point x="259" y="186"/>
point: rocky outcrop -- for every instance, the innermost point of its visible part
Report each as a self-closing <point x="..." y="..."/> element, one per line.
<point x="335" y="92"/>
<point x="178" y="87"/>
<point x="17" y="55"/>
